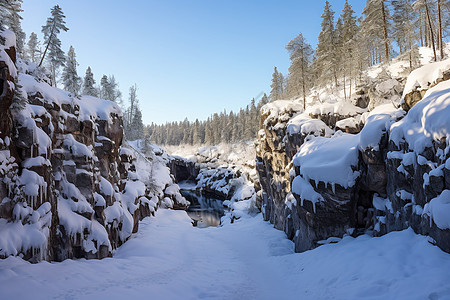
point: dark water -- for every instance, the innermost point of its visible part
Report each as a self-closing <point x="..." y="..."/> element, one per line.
<point x="204" y="212"/>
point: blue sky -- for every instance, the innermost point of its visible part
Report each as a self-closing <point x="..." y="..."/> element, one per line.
<point x="189" y="58"/>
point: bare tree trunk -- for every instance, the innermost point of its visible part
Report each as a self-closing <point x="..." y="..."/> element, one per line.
<point x="441" y="43"/>
<point x="420" y="29"/>
<point x="386" y="44"/>
<point x="48" y="44"/>
<point x="345" y="95"/>
<point x="303" y="84"/>
<point x="431" y="31"/>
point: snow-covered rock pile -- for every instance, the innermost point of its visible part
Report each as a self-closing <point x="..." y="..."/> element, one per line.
<point x="423" y="79"/>
<point x="226" y="172"/>
<point x="152" y="169"/>
<point x="318" y="183"/>
<point x="67" y="187"/>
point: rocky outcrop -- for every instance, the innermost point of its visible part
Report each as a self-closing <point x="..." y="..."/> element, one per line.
<point x="422" y="80"/>
<point x="384" y="178"/>
<point x="68" y="188"/>
<point x="183" y="169"/>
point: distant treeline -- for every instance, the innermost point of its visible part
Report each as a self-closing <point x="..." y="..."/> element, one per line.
<point x="220" y="127"/>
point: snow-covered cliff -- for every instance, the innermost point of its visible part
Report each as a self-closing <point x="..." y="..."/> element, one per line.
<point x="68" y="188"/>
<point x="387" y="171"/>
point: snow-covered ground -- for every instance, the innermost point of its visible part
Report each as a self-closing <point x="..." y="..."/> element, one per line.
<point x="170" y="259"/>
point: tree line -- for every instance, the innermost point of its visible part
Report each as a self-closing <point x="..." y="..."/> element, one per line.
<point x="219" y="127"/>
<point x="348" y="46"/>
<point x="63" y="68"/>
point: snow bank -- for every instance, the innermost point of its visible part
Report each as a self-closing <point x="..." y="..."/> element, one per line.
<point x="424" y="77"/>
<point x="305" y="125"/>
<point x="245" y="260"/>
<point x="330" y="160"/>
<point x="378" y="123"/>
<point x="273" y="110"/>
<point x="427" y="121"/>
<point x="439" y="210"/>
<point x="305" y="190"/>
<point x="342" y="108"/>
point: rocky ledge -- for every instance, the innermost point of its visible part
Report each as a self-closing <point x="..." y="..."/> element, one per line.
<point x="68" y="188"/>
<point x="319" y="184"/>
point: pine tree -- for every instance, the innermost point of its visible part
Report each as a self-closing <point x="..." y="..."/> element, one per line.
<point x="10" y="17"/>
<point x="89" y="84"/>
<point x="403" y="32"/>
<point x="33" y="50"/>
<point x="348" y="44"/>
<point x="109" y="89"/>
<point x="277" y="85"/>
<point x="326" y="55"/>
<point x="375" y="28"/>
<point x="443" y="8"/>
<point x="134" y="127"/>
<point x="55" y="24"/>
<point x="137" y="126"/>
<point x="301" y="56"/>
<point x="71" y="80"/>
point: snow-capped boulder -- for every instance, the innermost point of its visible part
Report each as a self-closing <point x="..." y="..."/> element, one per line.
<point x="423" y="79"/>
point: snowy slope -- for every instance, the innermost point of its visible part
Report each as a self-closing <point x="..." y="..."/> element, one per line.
<point x="245" y="260"/>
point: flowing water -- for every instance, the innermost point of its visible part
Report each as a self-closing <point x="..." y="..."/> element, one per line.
<point x="204" y="211"/>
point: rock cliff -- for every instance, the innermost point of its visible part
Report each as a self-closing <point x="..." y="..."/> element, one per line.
<point x="388" y="172"/>
<point x="68" y="188"/>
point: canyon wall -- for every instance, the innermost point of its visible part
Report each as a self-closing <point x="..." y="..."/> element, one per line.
<point x="68" y="188"/>
<point x="388" y="171"/>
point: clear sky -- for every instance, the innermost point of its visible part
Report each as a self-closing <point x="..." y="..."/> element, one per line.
<point x="189" y="58"/>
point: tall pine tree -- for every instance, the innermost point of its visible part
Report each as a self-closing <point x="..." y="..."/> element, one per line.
<point x="71" y="80"/>
<point x="33" y="48"/>
<point x="326" y="55"/>
<point x="89" y="84"/>
<point x="53" y="27"/>
<point x="300" y="54"/>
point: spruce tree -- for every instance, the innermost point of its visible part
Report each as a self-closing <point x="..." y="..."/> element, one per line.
<point x="376" y="27"/>
<point x="300" y="54"/>
<point x="10" y="17"/>
<point x="71" y="80"/>
<point x="109" y="89"/>
<point x="404" y="19"/>
<point x="53" y="27"/>
<point x="347" y="37"/>
<point x="326" y="55"/>
<point x="277" y="85"/>
<point x="33" y="50"/>
<point x="89" y="84"/>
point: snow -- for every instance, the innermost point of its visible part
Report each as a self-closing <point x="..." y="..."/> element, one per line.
<point x="439" y="210"/>
<point x="92" y="108"/>
<point x="10" y="41"/>
<point x="378" y="122"/>
<point x="305" y="190"/>
<point x="169" y="259"/>
<point x="330" y="160"/>
<point x="279" y="107"/>
<point x="343" y="108"/>
<point x="423" y="77"/>
<point x="16" y="237"/>
<point x="426" y="121"/>
<point x="305" y="125"/>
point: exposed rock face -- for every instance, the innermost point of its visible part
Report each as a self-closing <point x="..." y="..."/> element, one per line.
<point x="68" y="188"/>
<point x="422" y="80"/>
<point x="183" y="169"/>
<point x="272" y="161"/>
<point x="396" y="184"/>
